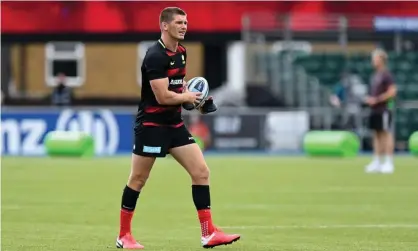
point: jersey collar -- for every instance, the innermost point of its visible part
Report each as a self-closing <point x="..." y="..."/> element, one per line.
<point x="160" y="41"/>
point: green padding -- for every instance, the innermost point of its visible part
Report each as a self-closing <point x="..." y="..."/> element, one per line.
<point x="413" y="143"/>
<point x="331" y="143"/>
<point x="72" y="144"/>
<point x="199" y="142"/>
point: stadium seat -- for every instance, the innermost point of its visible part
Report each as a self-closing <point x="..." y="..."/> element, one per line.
<point x="406" y="123"/>
<point x="328" y="78"/>
<point x="412" y="57"/>
<point x="412" y="91"/>
<point x="405" y="66"/>
<point x="402" y="92"/>
<point x="310" y="63"/>
<point x="400" y="78"/>
<point x="413" y="78"/>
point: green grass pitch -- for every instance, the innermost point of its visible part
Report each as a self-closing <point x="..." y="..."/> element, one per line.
<point x="276" y="203"/>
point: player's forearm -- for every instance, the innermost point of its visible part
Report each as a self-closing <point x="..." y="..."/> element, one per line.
<point x="172" y="98"/>
<point x="387" y="95"/>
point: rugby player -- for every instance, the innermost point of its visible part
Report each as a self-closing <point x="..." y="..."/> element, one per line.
<point x="159" y="129"/>
<point x="381" y="102"/>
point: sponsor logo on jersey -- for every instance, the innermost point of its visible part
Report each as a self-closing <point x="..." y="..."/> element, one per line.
<point x="176" y="82"/>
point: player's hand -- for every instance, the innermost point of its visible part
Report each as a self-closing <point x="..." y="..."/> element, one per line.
<point x="191" y="97"/>
<point x="335" y="101"/>
<point x="371" y="101"/>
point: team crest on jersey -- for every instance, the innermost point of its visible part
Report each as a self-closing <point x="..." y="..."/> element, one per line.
<point x="176" y="82"/>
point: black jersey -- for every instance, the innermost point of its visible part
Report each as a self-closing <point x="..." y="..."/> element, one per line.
<point x="159" y="62"/>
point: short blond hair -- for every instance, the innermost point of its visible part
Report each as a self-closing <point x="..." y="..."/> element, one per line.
<point x="380" y="53"/>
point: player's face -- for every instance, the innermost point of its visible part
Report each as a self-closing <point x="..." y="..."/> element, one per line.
<point x="178" y="27"/>
<point x="377" y="61"/>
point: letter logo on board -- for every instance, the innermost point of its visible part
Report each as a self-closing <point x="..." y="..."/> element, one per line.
<point x="101" y="124"/>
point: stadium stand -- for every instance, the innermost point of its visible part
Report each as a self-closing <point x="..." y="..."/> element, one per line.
<point x="327" y="68"/>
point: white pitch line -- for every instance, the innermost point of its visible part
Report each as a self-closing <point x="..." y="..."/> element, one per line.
<point x="413" y="226"/>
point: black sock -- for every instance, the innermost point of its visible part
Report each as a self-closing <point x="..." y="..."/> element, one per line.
<point x="201" y="196"/>
<point x="129" y="199"/>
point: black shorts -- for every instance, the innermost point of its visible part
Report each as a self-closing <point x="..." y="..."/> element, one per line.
<point x="156" y="141"/>
<point x="380" y="121"/>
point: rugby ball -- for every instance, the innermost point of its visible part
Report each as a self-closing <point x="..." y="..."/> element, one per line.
<point x="199" y="84"/>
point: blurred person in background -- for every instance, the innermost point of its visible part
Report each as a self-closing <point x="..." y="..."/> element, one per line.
<point x="349" y="94"/>
<point x="381" y="102"/>
<point x="62" y="95"/>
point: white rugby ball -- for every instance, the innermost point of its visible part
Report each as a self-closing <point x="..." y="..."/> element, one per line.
<point x="199" y="84"/>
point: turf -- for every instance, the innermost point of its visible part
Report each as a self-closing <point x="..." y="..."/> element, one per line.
<point x="276" y="203"/>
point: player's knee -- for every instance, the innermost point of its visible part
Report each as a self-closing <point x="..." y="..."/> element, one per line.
<point x="201" y="173"/>
<point x="138" y="180"/>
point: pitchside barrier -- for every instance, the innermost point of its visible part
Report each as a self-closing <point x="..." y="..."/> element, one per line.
<point x="413" y="143"/>
<point x="108" y="131"/>
<point x="69" y="144"/>
<point x="331" y="143"/>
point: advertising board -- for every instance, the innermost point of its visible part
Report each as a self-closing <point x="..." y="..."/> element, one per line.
<point x="23" y="131"/>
